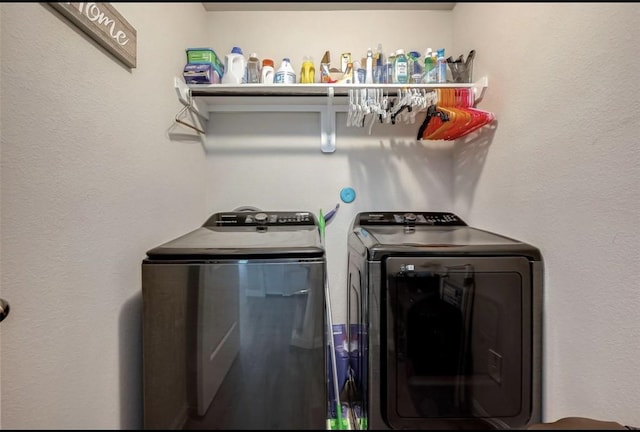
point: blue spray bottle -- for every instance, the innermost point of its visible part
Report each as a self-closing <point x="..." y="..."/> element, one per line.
<point x="441" y="66"/>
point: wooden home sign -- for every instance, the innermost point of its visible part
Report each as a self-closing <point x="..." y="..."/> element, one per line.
<point x="105" y="25"/>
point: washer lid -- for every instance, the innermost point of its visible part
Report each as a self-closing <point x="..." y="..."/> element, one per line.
<point x="246" y="235"/>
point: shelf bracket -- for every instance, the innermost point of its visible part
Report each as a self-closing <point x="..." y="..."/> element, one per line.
<point x="185" y="98"/>
<point x="328" y="121"/>
<point x="479" y="88"/>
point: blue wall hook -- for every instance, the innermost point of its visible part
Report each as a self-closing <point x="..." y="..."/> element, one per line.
<point x="347" y="194"/>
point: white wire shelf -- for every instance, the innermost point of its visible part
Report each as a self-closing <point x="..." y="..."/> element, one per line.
<point x="317" y="89"/>
<point x="324" y="98"/>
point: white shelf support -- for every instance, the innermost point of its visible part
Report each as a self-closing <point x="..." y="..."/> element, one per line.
<point x="185" y="98"/>
<point x="328" y="121"/>
<point x="182" y="90"/>
<point x="479" y="88"/>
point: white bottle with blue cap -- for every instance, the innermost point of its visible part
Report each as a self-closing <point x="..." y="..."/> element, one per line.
<point x="285" y="73"/>
<point x="235" y="66"/>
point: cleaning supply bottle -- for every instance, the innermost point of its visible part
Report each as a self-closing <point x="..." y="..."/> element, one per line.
<point x="234" y="67"/>
<point x="441" y="66"/>
<point x="358" y="73"/>
<point x="324" y="67"/>
<point x="347" y="78"/>
<point x="415" y="68"/>
<point x="368" y="77"/>
<point x="253" y="69"/>
<point x="410" y="62"/>
<point x="285" y="73"/>
<point x="266" y="75"/>
<point x="429" y="68"/>
<point x="378" y="65"/>
<point x="345" y="59"/>
<point x="308" y="71"/>
<point x="401" y="68"/>
<point x="388" y="69"/>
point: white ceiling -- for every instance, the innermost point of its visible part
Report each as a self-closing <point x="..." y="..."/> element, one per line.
<point x="302" y="6"/>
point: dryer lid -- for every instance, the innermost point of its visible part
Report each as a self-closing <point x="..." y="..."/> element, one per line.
<point x="434" y="236"/>
<point x="385" y="233"/>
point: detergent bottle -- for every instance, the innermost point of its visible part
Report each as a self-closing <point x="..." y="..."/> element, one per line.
<point x="235" y="66"/>
<point x="308" y="71"/>
<point x="253" y="69"/>
<point x="267" y="72"/>
<point x="285" y="73"/>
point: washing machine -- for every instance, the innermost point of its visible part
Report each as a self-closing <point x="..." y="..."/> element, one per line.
<point x="234" y="325"/>
<point x="445" y="322"/>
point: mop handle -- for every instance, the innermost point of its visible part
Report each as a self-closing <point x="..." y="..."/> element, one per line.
<point x="334" y="365"/>
<point x="327" y="293"/>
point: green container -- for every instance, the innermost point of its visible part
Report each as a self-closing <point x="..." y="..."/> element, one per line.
<point x="205" y="55"/>
<point x="201" y="55"/>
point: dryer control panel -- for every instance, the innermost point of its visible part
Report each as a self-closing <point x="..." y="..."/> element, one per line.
<point x="410" y="218"/>
<point x="261" y="218"/>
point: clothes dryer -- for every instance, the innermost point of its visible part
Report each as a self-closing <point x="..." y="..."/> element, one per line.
<point x="234" y="325"/>
<point x="446" y="320"/>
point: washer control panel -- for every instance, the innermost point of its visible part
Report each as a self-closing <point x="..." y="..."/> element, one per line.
<point x="261" y="218"/>
<point x="410" y="218"/>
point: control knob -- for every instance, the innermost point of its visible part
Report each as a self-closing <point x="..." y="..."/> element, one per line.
<point x="409" y="217"/>
<point x="261" y="217"/>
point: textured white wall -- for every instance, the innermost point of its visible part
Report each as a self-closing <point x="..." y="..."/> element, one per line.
<point x="562" y="171"/>
<point x="90" y="182"/>
<point x="273" y="161"/>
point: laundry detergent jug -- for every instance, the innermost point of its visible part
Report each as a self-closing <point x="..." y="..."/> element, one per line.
<point x="267" y="72"/>
<point x="235" y="66"/>
<point x="285" y="73"/>
<point x="308" y="71"/>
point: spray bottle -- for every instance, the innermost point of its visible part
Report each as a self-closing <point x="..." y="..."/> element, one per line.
<point x="441" y="66"/>
<point x="378" y="66"/>
<point x="416" y="68"/>
<point x="388" y="69"/>
<point x="368" y="78"/>
<point x="429" y="68"/>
